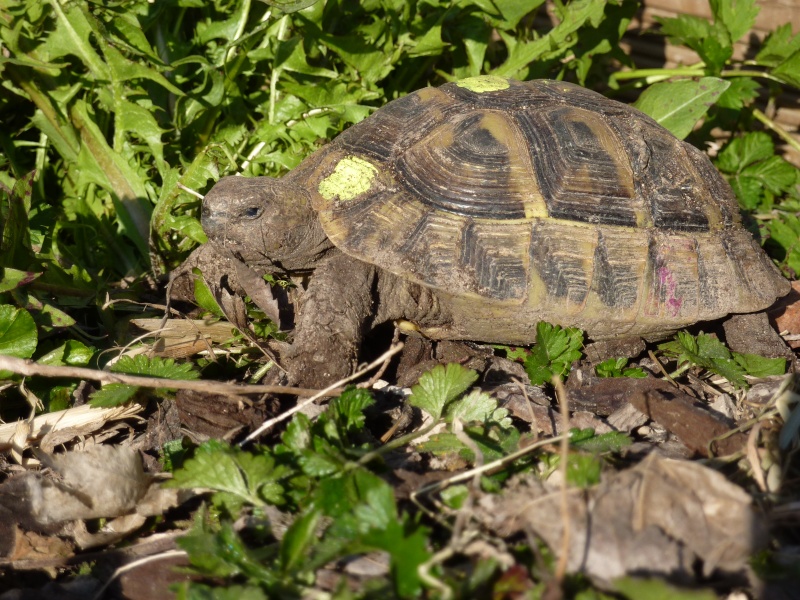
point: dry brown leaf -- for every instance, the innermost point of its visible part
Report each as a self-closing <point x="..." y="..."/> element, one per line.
<point x="105" y="481"/>
<point x="657" y="518"/>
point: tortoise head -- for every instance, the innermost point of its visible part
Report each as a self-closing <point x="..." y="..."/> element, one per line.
<point x="264" y="222"/>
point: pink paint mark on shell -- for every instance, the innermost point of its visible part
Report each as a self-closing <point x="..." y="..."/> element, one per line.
<point x="666" y="280"/>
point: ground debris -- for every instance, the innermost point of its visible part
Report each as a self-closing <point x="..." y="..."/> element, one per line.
<point x="654" y="519"/>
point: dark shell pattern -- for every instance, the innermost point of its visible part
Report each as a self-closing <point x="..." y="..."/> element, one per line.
<point x="541" y="200"/>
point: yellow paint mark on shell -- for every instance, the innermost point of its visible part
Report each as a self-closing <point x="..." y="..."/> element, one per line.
<point x="484" y="83"/>
<point x="351" y="177"/>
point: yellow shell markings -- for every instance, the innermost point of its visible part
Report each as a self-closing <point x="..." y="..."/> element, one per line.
<point x="351" y="177"/>
<point x="484" y="83"/>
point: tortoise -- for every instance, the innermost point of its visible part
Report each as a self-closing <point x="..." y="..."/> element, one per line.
<point x="476" y="209"/>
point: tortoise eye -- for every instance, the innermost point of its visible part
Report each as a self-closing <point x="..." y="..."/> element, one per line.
<point x="252" y="212"/>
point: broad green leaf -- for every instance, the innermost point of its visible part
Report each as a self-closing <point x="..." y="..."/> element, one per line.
<point x="47" y="315"/>
<point x="12" y="278"/>
<point x="555" y="351"/>
<point x="187" y="226"/>
<point x="775" y="174"/>
<point x="291" y="55"/>
<point x="222" y="553"/>
<point x="738" y="16"/>
<point x="348" y="408"/>
<point x="430" y="43"/>
<point x="72" y="353"/>
<point x="154" y="367"/>
<point x="18" y="335"/>
<point x="112" y="394"/>
<point x="224" y="469"/>
<point x="475" y="406"/>
<point x="745" y="150"/>
<point x="138" y="120"/>
<point x="708" y="352"/>
<point x="73" y="35"/>
<point x="741" y="92"/>
<point x="679" y="105"/>
<point x="439" y="386"/>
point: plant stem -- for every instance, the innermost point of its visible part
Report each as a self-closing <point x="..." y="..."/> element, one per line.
<point x="780" y="131"/>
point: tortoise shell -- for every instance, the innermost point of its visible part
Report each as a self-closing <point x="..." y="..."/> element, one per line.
<point x="541" y="200"/>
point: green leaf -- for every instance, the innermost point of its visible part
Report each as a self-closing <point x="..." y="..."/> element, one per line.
<point x="707" y="352"/>
<point x="776" y="174"/>
<point x="18" y="335"/>
<point x="741" y="92"/>
<point x="746" y="150"/>
<point x="439" y="386"/>
<point x="555" y="351"/>
<point x="154" y="367"/>
<point x="290" y="6"/>
<point x="15" y="237"/>
<point x="475" y="406"/>
<point x="72" y="353"/>
<point x="658" y="589"/>
<point x="112" y="394"/>
<point x="11" y="279"/>
<point x="238" y="477"/>
<point x="789" y="70"/>
<point x="222" y="553"/>
<point x="583" y="470"/>
<point x="514" y="10"/>
<point x="555" y="42"/>
<point x="348" y="409"/>
<point x="613" y="441"/>
<point x="679" y="105"/>
<point x="779" y="45"/>
<point x="784" y="231"/>
<point x="760" y="366"/>
<point x="615" y="367"/>
<point x="738" y="16"/>
<point x="302" y="533"/>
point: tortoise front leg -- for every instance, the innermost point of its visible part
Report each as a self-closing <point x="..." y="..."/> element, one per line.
<point x="332" y="319"/>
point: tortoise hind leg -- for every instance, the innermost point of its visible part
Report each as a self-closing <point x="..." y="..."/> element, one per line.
<point x="332" y="319"/>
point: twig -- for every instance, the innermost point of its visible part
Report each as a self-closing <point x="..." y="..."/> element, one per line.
<point x="487" y="468"/>
<point x="189" y="190"/>
<point x="30" y="368"/>
<point x="326" y="392"/>
<point x="135" y="564"/>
